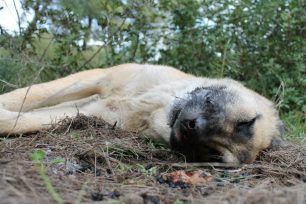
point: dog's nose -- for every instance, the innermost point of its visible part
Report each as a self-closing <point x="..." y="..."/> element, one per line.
<point x="194" y="124"/>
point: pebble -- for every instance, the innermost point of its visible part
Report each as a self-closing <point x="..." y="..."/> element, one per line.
<point x="115" y="194"/>
<point x="220" y="184"/>
<point x="95" y="196"/>
<point x="160" y="179"/>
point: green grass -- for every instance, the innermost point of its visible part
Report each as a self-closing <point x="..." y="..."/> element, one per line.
<point x="38" y="156"/>
<point x="295" y="126"/>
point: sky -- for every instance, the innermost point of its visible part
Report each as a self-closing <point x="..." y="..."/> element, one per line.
<point x="8" y="16"/>
<point x="9" y="19"/>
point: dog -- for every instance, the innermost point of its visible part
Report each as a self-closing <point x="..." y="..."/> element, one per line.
<point x="216" y="120"/>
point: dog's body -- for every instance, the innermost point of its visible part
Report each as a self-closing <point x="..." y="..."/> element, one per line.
<point x="194" y="114"/>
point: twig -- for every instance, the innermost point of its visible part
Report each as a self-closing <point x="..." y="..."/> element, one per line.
<point x="280" y="94"/>
<point x="203" y="164"/>
<point x="114" y="126"/>
<point x="224" y="57"/>
<point x="28" y="89"/>
<point x="106" y="157"/>
<point x="19" y="22"/>
<point x="95" y="165"/>
<point x="25" y="97"/>
<point x="8" y="84"/>
<point x="69" y="126"/>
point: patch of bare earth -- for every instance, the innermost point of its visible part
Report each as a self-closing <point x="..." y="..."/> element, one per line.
<point x="88" y="160"/>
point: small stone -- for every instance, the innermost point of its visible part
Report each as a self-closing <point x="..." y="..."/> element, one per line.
<point x="236" y="180"/>
<point x="95" y="196"/>
<point x="151" y="199"/>
<point x="84" y="168"/>
<point x="149" y="166"/>
<point x="181" y="184"/>
<point x="218" y="180"/>
<point x="205" y="193"/>
<point x="160" y="179"/>
<point x="98" y="172"/>
<point x="172" y="185"/>
<point x="108" y="171"/>
<point x="220" y="184"/>
<point x="115" y="194"/>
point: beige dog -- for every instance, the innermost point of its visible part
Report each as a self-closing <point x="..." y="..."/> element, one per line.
<point x="205" y="119"/>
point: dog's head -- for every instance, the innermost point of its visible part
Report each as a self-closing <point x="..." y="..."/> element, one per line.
<point x="223" y="122"/>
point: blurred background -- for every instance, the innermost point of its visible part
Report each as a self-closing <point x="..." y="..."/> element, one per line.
<point x="261" y="43"/>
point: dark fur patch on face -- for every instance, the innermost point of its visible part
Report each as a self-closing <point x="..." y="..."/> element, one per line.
<point x="199" y="96"/>
<point x="195" y="152"/>
<point x="211" y="88"/>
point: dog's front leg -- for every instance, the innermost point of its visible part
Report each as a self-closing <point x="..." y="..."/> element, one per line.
<point x="12" y="123"/>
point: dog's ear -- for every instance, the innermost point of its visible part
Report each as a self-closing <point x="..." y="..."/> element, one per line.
<point x="278" y="141"/>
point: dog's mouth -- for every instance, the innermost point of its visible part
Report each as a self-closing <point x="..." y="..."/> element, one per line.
<point x="208" y="154"/>
<point x="201" y="151"/>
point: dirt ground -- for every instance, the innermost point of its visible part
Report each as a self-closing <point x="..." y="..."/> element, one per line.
<point x="86" y="160"/>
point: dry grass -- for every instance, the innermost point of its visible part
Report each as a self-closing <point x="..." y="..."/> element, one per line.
<point x="101" y="162"/>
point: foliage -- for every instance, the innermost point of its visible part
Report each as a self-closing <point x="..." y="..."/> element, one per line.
<point x="261" y="43"/>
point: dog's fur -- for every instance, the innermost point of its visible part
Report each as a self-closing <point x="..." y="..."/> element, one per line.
<point x="225" y="120"/>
